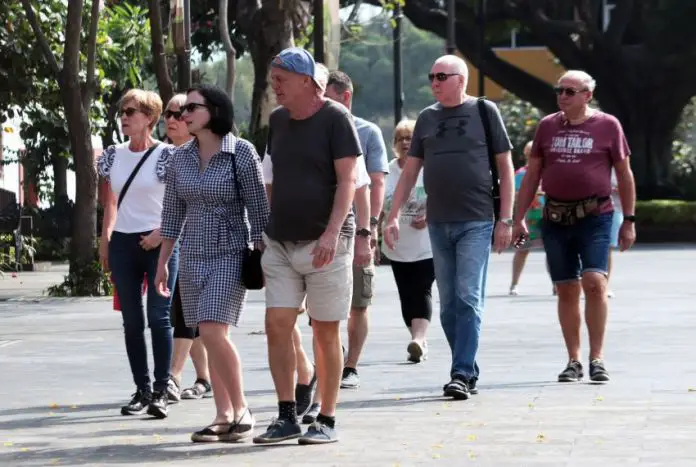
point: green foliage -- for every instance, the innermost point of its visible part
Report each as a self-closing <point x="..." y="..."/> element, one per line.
<point x="8" y="255"/>
<point x="684" y="162"/>
<point x="521" y="119"/>
<point x="88" y="280"/>
<point x="666" y="212"/>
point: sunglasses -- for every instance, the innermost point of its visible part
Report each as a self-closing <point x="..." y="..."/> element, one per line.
<point x="570" y="92"/>
<point x="440" y="76"/>
<point x="177" y="114"/>
<point x="191" y="107"/>
<point x="129" y="112"/>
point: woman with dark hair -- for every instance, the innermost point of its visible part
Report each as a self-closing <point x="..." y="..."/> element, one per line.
<point x="215" y="194"/>
<point x="130" y="245"/>
<point x="186" y="340"/>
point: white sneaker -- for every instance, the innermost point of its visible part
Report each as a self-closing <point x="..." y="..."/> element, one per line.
<point x="514" y="291"/>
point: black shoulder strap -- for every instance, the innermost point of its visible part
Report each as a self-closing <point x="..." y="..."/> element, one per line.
<point x="483" y="112"/>
<point x="134" y="173"/>
<point x="236" y="180"/>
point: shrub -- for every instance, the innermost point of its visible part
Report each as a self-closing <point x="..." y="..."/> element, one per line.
<point x="666" y="212"/>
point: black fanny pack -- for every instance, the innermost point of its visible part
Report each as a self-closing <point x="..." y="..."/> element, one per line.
<point x="570" y="212"/>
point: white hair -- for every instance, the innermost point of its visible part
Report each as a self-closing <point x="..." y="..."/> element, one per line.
<point x="178" y="99"/>
<point x="455" y="64"/>
<point x="579" y="75"/>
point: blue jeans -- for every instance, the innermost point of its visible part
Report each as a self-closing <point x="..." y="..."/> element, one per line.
<point x="129" y="263"/>
<point x="578" y="248"/>
<point x="460" y="254"/>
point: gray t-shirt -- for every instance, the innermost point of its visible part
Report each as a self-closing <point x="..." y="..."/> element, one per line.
<point x="456" y="170"/>
<point x="372" y="143"/>
<point x="304" y="177"/>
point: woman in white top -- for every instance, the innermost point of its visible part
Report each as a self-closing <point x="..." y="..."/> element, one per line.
<point x="130" y="244"/>
<point x="411" y="259"/>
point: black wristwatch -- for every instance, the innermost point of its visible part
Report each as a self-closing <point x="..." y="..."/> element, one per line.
<point x="630" y="218"/>
<point x="374" y="221"/>
<point x="363" y="233"/>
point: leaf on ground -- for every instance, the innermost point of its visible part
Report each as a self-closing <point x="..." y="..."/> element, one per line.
<point x="24" y="449"/>
<point x="692" y="389"/>
<point x="530" y="405"/>
<point x="540" y="438"/>
<point x="73" y="406"/>
<point x="599" y="398"/>
<point x="257" y="333"/>
<point x="53" y="406"/>
<point x="471" y="455"/>
<point x="436" y="456"/>
<point x="8" y="444"/>
<point x="471" y="437"/>
<point x="437" y="446"/>
<point x="397" y="398"/>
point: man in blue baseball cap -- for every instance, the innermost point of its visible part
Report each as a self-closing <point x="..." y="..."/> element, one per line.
<point x="309" y="247"/>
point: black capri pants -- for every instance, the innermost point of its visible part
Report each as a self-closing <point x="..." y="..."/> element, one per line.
<point x="414" y="281"/>
<point x="177" y="313"/>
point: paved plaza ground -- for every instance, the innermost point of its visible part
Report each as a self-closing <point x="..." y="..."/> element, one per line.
<point x="64" y="375"/>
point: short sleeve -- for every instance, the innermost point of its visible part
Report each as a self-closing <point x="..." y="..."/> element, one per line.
<point x="344" y="136"/>
<point x="106" y="161"/>
<point x="619" y="145"/>
<point x="166" y="155"/>
<point x="267" y="169"/>
<point x="417" y="148"/>
<point x="376" y="152"/>
<point x="363" y="177"/>
<point x="499" y="135"/>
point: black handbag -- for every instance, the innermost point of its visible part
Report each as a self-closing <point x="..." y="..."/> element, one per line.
<point x="252" y="273"/>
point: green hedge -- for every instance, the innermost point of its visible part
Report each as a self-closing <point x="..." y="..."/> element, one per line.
<point x="666" y="212"/>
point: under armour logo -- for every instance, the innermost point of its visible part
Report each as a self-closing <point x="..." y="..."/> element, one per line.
<point x="444" y="126"/>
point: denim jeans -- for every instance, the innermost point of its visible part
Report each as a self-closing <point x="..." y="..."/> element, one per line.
<point x="129" y="263"/>
<point x="460" y="253"/>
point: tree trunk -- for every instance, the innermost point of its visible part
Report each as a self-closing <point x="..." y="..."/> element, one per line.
<point x="84" y="222"/>
<point x="230" y="51"/>
<point x="60" y="177"/>
<point x="164" y="81"/>
<point x="271" y="32"/>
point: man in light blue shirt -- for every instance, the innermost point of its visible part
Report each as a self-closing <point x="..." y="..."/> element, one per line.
<point x="340" y="89"/>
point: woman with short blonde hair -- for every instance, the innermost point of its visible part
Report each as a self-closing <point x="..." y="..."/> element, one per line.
<point x="130" y="244"/>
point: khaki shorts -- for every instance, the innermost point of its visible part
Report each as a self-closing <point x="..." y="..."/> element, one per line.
<point x="363" y="286"/>
<point x="290" y="277"/>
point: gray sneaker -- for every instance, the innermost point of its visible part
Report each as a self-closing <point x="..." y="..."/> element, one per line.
<point x="319" y="433"/>
<point x="173" y="391"/>
<point x="279" y="430"/>
<point x="350" y="378"/>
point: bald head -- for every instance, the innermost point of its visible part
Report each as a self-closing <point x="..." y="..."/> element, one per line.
<point x="452" y="64"/>
<point x="448" y="79"/>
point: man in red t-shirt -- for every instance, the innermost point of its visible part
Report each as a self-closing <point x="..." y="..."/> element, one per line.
<point x="574" y="151"/>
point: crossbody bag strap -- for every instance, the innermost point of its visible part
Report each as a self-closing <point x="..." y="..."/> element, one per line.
<point x="134" y="173"/>
<point x="485" y="120"/>
<point x="236" y="180"/>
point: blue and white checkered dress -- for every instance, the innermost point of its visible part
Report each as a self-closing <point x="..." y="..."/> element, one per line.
<point x="217" y="226"/>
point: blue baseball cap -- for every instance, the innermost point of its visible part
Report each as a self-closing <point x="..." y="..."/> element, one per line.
<point x="298" y="60"/>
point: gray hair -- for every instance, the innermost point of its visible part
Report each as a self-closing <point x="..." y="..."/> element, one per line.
<point x="455" y="64"/>
<point x="178" y="100"/>
<point x="579" y="75"/>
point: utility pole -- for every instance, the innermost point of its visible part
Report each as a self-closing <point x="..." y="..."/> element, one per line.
<point x="482" y="47"/>
<point x="398" y="67"/>
<point x="319" y="55"/>
<point x="451" y="20"/>
<point x="183" y="61"/>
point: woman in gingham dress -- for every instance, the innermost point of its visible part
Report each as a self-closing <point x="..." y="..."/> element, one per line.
<point x="201" y="198"/>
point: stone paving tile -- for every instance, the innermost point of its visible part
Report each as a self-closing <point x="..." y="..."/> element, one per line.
<point x="64" y="376"/>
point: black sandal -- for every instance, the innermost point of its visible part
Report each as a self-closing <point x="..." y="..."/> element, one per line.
<point x="208" y="435"/>
<point x="238" y="430"/>
<point x="456" y="389"/>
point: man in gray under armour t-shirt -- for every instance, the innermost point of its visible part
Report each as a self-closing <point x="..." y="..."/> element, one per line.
<point x="449" y="143"/>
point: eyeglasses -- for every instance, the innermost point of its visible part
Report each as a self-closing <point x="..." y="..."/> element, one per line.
<point x="440" y="76"/>
<point x="177" y="114"/>
<point x="129" y="112"/>
<point x="191" y="107"/>
<point x="570" y="92"/>
<point x="403" y="139"/>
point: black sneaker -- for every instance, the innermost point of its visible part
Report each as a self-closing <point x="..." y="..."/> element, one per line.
<point x="472" y="386"/>
<point x="138" y="404"/>
<point x="312" y="414"/>
<point x="304" y="393"/>
<point x="598" y="374"/>
<point x="572" y="373"/>
<point x="173" y="391"/>
<point x="158" y="407"/>
<point x="350" y="378"/>
<point x="279" y="430"/>
<point x="319" y="433"/>
<point x="456" y="389"/>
